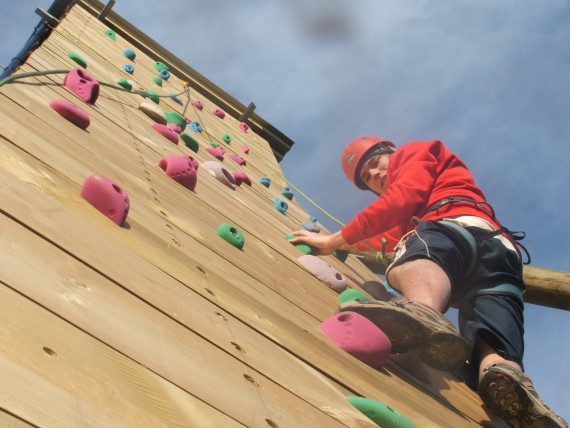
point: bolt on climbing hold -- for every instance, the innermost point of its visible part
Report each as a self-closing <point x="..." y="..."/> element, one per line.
<point x="82" y="85"/>
<point x="227" y="138"/>
<point x="129" y="68"/>
<point x="302" y="246"/>
<point x="190" y="142"/>
<point x="130" y="53"/>
<point x="181" y="169"/>
<point x="125" y="83"/>
<point x="159" y="66"/>
<point x="154" y="112"/>
<point x="196" y="127"/>
<point x="220" y="172"/>
<point x="280" y="205"/>
<point x="287" y="192"/>
<point x="78" y="59"/>
<point x="173" y="97"/>
<point x="352" y="295"/>
<point x="176" y="128"/>
<point x="380" y="413"/>
<point x="241" y="177"/>
<point x="107" y="196"/>
<point x="197" y="104"/>
<point x="177" y="118"/>
<point x="71" y="112"/>
<point x="231" y="234"/>
<point x="266" y="181"/>
<point x="157" y="80"/>
<point x="358" y="336"/>
<point x="214" y="144"/>
<point x="313" y="218"/>
<point x="311" y="227"/>
<point x="111" y="34"/>
<point x="166" y="132"/>
<point x="217" y="152"/>
<point x="153" y="96"/>
<point x="219" y="112"/>
<point x="164" y="74"/>
<point x="324" y="272"/>
<point x="237" y="159"/>
<point x="243" y="126"/>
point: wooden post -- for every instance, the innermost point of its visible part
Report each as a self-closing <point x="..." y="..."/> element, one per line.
<point x="547" y="287"/>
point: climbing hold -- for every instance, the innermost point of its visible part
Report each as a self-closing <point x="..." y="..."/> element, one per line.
<point x="287" y="192"/>
<point x="159" y="66"/>
<point x="227" y="138"/>
<point x="166" y="132"/>
<point x="196" y="127"/>
<point x="324" y="272"/>
<point x="219" y="112"/>
<point x="243" y="126"/>
<point x="341" y="255"/>
<point x="129" y="68"/>
<point x="177" y="118"/>
<point x="78" y="59"/>
<point x="280" y="205"/>
<point x="111" y="34"/>
<point x="358" y="336"/>
<point x="237" y="159"/>
<point x="71" y="112"/>
<point x="352" y="295"/>
<point x="173" y="97"/>
<point x="241" y="177"/>
<point x="190" y="142"/>
<point x="231" y="234"/>
<point x="181" y="169"/>
<point x="214" y="144"/>
<point x="244" y="149"/>
<point x="82" y="85"/>
<point x="157" y="80"/>
<point x="153" y="96"/>
<point x="220" y="172"/>
<point x="379" y="290"/>
<point x="197" y="104"/>
<point x="164" y="74"/>
<point x="311" y="227"/>
<point x="107" y="196"/>
<point x="217" y="152"/>
<point x="129" y="53"/>
<point x="380" y="413"/>
<point x="266" y="181"/>
<point x="154" y="112"/>
<point x="313" y="218"/>
<point x="125" y="83"/>
<point x="303" y="247"/>
<point x="176" y="128"/>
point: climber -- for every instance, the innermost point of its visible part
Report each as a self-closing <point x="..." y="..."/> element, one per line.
<point x="450" y="250"/>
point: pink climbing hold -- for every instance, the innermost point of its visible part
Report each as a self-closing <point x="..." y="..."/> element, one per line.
<point x="107" y="196"/>
<point x="243" y="126"/>
<point x="217" y="152"/>
<point x="358" y="336"/>
<point x="82" y="85"/>
<point x="197" y="104"/>
<point x="237" y="159"/>
<point x="244" y="149"/>
<point x="166" y="132"/>
<point x="181" y="169"/>
<point x="241" y="177"/>
<point x="219" y="112"/>
<point x="176" y="128"/>
<point x="324" y="272"/>
<point x="71" y="112"/>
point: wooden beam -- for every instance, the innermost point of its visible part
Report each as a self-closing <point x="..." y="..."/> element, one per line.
<point x="547" y="287"/>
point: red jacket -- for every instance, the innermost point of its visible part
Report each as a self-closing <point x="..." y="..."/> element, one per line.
<point x="420" y="173"/>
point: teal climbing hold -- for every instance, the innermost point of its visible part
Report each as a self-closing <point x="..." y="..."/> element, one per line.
<point x="159" y="66"/>
<point x="153" y="96"/>
<point x="287" y="192"/>
<point x="125" y="83"/>
<point x="111" y="34"/>
<point x="266" y="181"/>
<point x="175" y="117"/>
<point x="226" y="138"/>
<point x="380" y="413"/>
<point x="302" y="246"/>
<point x="231" y="234"/>
<point x="341" y="255"/>
<point x="196" y="127"/>
<point x="313" y="218"/>
<point x="280" y="205"/>
<point x="129" y="68"/>
<point x="352" y="295"/>
<point x="173" y="97"/>
<point x="78" y="59"/>
<point x="164" y="74"/>
<point x="190" y="142"/>
<point x="157" y="80"/>
<point x="130" y="54"/>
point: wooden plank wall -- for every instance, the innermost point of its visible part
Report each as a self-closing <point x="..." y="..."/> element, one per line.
<point x="161" y="323"/>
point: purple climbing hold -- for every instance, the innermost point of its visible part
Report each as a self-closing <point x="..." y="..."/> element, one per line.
<point x="71" y="112"/>
<point x="82" y="85"/>
<point x="324" y="272"/>
<point x="181" y="169"/>
<point x="107" y="196"/>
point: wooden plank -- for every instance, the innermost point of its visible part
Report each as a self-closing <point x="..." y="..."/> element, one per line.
<point x="8" y="420"/>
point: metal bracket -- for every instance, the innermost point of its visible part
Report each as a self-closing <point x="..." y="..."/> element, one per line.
<point x="248" y="111"/>
<point x="105" y="11"/>
<point x="52" y="21"/>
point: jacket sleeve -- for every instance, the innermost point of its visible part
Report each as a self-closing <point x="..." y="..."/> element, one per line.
<point x="412" y="173"/>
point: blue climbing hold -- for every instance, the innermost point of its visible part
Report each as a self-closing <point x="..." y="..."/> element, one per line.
<point x="266" y="181"/>
<point x="129" y="68"/>
<point x="130" y="54"/>
<point x="196" y="127"/>
<point x="165" y="74"/>
<point x="313" y="218"/>
<point x="287" y="192"/>
<point x="174" y="98"/>
<point x="311" y="227"/>
<point x="280" y="205"/>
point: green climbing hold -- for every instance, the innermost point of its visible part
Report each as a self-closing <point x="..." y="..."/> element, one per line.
<point x="227" y="138"/>
<point x="380" y="413"/>
<point x="111" y="34"/>
<point x="352" y="295"/>
<point x="78" y="59"/>
<point x="304" y="248"/>
<point x="175" y="117"/>
<point x="159" y="66"/>
<point x="125" y="83"/>
<point x="214" y="144"/>
<point x="157" y="80"/>
<point x="340" y="254"/>
<point x="231" y="235"/>
<point x="153" y="96"/>
<point x="190" y="142"/>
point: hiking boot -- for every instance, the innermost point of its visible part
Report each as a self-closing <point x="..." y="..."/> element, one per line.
<point x="414" y="327"/>
<point x="508" y="393"/>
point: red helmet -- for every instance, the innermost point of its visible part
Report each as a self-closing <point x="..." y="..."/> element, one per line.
<point x="353" y="155"/>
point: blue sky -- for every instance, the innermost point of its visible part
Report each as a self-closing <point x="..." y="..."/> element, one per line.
<point x="491" y="79"/>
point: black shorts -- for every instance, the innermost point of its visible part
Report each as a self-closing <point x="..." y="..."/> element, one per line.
<point x="486" y="282"/>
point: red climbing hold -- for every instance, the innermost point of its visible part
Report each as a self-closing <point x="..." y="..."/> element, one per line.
<point x="219" y="112"/>
<point x="82" y="85"/>
<point x="197" y="104"/>
<point x="107" y="196"/>
<point x="237" y="159"/>
<point x="181" y="169"/>
<point x="71" y="112"/>
<point x="358" y="336"/>
<point x="244" y="149"/>
<point x="175" y="127"/>
<point x="243" y="126"/>
<point x="241" y="177"/>
<point x="166" y="132"/>
<point x="217" y="152"/>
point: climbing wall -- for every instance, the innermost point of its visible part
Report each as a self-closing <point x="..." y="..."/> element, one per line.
<point x="194" y="310"/>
